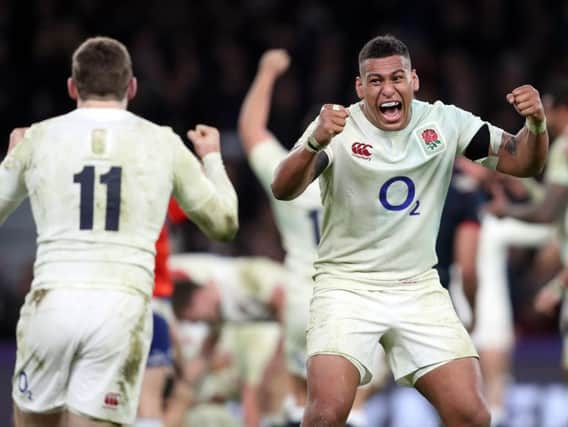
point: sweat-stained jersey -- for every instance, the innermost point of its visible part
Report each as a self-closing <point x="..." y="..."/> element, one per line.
<point x="99" y="181"/>
<point x="247" y="284"/>
<point x="557" y="173"/>
<point x="298" y="220"/>
<point x="383" y="192"/>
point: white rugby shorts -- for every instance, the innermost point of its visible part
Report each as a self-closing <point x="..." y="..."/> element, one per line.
<point x="414" y="321"/>
<point x="83" y="350"/>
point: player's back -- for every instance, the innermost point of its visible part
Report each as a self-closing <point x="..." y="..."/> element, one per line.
<point x="99" y="180"/>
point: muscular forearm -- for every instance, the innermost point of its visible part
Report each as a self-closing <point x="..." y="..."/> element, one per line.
<point x="294" y="174"/>
<point x="533" y="151"/>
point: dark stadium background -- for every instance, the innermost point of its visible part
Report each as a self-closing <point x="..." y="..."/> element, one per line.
<point x="195" y="59"/>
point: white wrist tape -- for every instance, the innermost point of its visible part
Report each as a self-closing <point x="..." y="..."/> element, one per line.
<point x="313" y="145"/>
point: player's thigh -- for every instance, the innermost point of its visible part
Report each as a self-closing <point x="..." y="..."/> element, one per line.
<point x="332" y="381"/>
<point x="454" y="389"/>
<point x="76" y="420"/>
<point x="30" y="419"/>
<point x="107" y="374"/>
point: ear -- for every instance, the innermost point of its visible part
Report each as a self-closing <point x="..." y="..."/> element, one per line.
<point x="415" y="81"/>
<point x="359" y="87"/>
<point x="72" y="89"/>
<point x="132" y="88"/>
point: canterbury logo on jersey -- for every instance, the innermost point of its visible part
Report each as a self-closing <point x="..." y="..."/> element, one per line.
<point x="362" y="150"/>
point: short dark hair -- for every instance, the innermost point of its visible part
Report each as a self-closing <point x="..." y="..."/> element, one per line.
<point x="101" y="67"/>
<point x="558" y="92"/>
<point x="383" y="46"/>
<point x="183" y="292"/>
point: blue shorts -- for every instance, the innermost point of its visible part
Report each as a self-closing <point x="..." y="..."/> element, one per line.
<point x="161" y="351"/>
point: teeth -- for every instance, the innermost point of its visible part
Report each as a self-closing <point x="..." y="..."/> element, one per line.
<point x="390" y="104"/>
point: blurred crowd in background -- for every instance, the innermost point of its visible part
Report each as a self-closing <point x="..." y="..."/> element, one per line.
<point x="195" y="60"/>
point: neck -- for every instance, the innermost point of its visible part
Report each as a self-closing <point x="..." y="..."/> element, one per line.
<point x="100" y="103"/>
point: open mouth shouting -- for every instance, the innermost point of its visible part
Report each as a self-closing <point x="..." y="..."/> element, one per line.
<point x="391" y="111"/>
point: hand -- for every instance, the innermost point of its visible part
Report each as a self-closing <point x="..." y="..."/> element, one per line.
<point x="332" y="119"/>
<point x="15" y="137"/>
<point x="527" y="102"/>
<point x="275" y="61"/>
<point x="205" y="140"/>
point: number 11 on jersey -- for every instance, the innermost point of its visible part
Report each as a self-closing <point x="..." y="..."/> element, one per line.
<point x="86" y="179"/>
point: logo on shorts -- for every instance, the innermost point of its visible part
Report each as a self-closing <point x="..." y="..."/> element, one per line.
<point x="23" y="385"/>
<point x="362" y="150"/>
<point x="112" y="400"/>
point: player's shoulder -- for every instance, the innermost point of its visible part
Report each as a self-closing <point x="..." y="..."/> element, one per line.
<point x="436" y="107"/>
<point x="38" y="129"/>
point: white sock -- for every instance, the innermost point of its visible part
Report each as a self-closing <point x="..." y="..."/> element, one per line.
<point x="357" y="418"/>
<point x="292" y="411"/>
<point x="148" y="422"/>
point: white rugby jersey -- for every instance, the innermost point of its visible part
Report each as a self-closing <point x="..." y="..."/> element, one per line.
<point x="246" y="284"/>
<point x="557" y="173"/>
<point x="99" y="181"/>
<point x="383" y="191"/>
<point x="298" y="220"/>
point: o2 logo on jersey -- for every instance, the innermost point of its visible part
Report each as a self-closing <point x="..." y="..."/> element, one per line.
<point x="399" y="205"/>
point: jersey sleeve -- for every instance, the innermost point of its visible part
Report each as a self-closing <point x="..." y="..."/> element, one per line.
<point x="468" y="125"/>
<point x="12" y="182"/>
<point x="557" y="169"/>
<point x="264" y="159"/>
<point x="205" y="194"/>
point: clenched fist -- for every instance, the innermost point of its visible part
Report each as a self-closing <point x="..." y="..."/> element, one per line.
<point x="527" y="102"/>
<point x="331" y="121"/>
<point x="275" y="61"/>
<point x="205" y="140"/>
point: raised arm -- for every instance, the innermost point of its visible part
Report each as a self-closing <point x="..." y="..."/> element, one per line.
<point x="203" y="190"/>
<point x="255" y="110"/>
<point x="308" y="160"/>
<point x="12" y="187"/>
<point x="524" y="154"/>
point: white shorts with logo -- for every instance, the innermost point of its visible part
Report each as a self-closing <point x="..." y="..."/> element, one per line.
<point x="414" y="320"/>
<point x="83" y="350"/>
